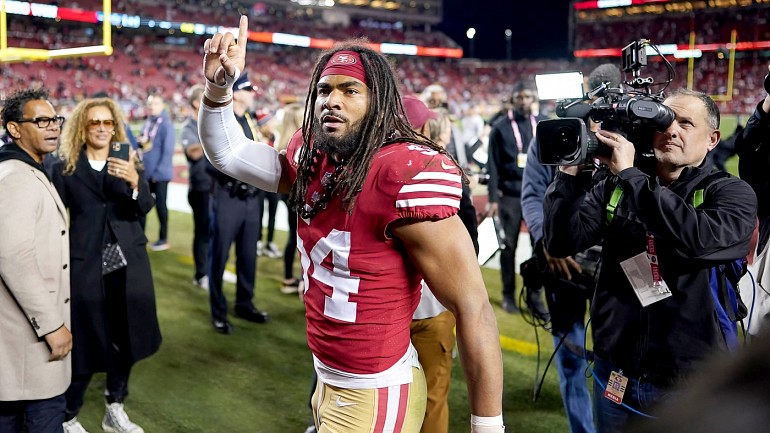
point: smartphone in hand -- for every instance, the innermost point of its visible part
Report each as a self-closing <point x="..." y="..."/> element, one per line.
<point x="120" y="150"/>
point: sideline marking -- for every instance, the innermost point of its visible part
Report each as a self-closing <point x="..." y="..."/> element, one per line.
<point x="518" y="346"/>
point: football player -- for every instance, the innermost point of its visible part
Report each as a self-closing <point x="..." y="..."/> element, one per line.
<point x="377" y="207"/>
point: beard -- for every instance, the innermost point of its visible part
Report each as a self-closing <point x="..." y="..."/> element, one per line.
<point x="341" y="147"/>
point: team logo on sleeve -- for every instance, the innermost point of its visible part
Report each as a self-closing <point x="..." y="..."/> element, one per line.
<point x="425" y="150"/>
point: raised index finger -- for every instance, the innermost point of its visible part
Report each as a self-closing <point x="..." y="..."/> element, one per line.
<point x="243" y="33"/>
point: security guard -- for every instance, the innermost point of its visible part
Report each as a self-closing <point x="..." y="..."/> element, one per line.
<point x="235" y="212"/>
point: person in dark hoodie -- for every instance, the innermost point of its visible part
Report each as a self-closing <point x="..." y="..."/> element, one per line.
<point x="35" y="340"/>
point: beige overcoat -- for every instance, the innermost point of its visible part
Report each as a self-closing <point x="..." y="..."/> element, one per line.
<point x="34" y="283"/>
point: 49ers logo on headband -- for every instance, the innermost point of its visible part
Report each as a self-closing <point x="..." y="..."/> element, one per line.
<point x="344" y="59"/>
<point x="345" y="63"/>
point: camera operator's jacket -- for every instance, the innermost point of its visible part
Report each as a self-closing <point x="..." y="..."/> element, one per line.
<point x="662" y="342"/>
<point x="753" y="148"/>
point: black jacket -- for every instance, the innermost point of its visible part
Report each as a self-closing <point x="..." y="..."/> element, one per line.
<point x="753" y="148"/>
<point x="100" y="207"/>
<point x="505" y="175"/>
<point x="662" y="342"/>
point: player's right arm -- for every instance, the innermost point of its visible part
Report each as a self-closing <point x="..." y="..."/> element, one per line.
<point x="222" y="137"/>
<point x="443" y="253"/>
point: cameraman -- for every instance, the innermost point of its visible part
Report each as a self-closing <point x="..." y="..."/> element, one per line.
<point x="653" y="229"/>
<point x="753" y="148"/>
<point x="566" y="296"/>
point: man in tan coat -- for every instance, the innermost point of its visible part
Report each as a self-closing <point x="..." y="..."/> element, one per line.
<point x="34" y="277"/>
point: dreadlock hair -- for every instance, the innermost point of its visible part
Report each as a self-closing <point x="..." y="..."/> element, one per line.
<point x="13" y="108"/>
<point x="383" y="124"/>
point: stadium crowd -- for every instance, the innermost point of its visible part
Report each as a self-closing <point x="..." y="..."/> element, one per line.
<point x="130" y="75"/>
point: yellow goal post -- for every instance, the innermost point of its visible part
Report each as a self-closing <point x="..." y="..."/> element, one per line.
<point x="17" y="54"/>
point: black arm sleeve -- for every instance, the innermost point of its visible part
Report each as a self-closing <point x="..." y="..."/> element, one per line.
<point x="753" y="148"/>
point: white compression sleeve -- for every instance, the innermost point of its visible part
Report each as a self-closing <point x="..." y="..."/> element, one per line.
<point x="232" y="153"/>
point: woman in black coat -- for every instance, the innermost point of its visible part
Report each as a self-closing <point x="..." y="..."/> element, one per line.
<point x="114" y="323"/>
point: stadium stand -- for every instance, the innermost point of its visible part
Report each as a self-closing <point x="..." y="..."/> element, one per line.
<point x="148" y="61"/>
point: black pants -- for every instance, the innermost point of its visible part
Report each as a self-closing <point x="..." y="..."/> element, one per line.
<point x="233" y="219"/>
<point x="199" y="202"/>
<point x="115" y="392"/>
<point x="38" y="416"/>
<point x="119" y="361"/>
<point x="272" y="207"/>
<point x="509" y="209"/>
<point x="160" y="190"/>
<point x="291" y="243"/>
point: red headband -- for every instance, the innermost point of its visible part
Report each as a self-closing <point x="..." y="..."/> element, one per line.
<point x="345" y="63"/>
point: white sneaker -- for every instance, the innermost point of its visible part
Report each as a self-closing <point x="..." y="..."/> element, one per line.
<point x="260" y="248"/>
<point x="73" y="426"/>
<point x="160" y="245"/>
<point x="116" y="420"/>
<point x="202" y="282"/>
<point x="272" y="251"/>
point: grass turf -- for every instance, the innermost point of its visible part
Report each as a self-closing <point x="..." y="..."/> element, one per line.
<point x="258" y="378"/>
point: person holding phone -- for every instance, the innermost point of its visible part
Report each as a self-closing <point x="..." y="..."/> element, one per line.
<point x="113" y="304"/>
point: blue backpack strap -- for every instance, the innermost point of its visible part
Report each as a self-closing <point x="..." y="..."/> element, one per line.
<point x="723" y="279"/>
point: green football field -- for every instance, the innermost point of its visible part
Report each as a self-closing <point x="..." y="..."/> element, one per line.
<point x="258" y="378"/>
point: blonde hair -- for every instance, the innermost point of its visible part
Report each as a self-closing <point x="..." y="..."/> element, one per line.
<point x="293" y="115"/>
<point x="73" y="138"/>
<point x="440" y="128"/>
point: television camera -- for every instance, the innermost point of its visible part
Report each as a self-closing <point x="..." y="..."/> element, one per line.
<point x="635" y="113"/>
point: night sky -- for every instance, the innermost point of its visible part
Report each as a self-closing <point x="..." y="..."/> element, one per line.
<point x="539" y="27"/>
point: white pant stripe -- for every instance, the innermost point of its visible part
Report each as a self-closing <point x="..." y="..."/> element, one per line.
<point x="394" y="398"/>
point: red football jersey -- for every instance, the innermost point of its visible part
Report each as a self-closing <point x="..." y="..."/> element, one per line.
<point x="361" y="288"/>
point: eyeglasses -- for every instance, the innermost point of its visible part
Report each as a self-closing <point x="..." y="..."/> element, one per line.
<point x="43" y="122"/>
<point x="107" y="123"/>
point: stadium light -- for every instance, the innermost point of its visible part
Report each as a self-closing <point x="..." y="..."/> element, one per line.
<point x="470" y="34"/>
<point x="508" y="44"/>
<point x="120" y="20"/>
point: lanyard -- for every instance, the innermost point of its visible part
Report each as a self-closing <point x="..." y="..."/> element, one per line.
<point x="150" y="134"/>
<point x="652" y="255"/>
<point x="517" y="133"/>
